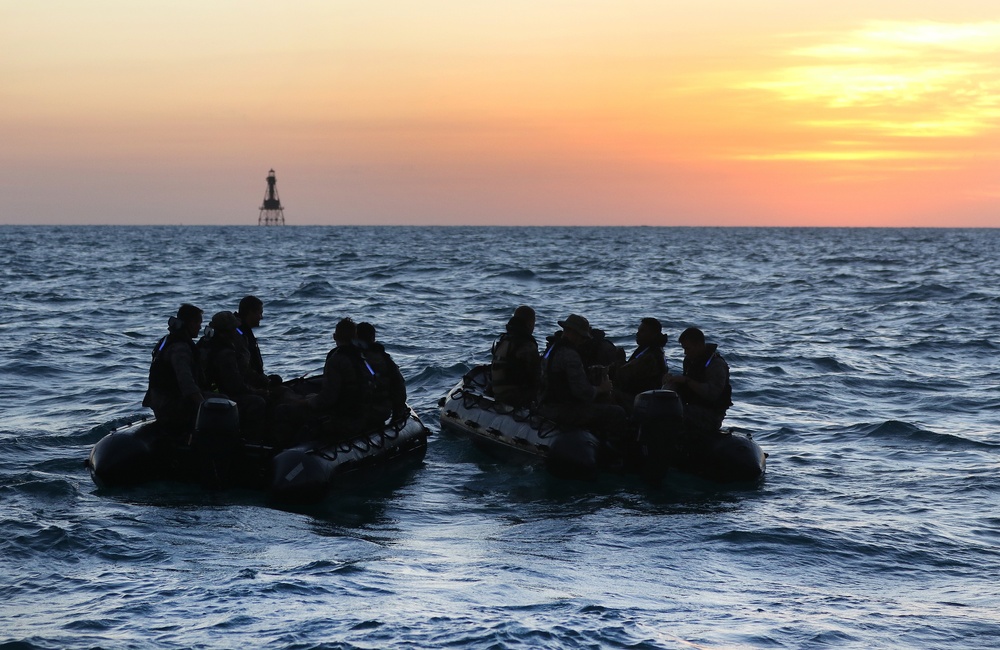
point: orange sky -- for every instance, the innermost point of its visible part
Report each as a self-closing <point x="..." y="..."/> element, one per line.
<point x="878" y="113"/>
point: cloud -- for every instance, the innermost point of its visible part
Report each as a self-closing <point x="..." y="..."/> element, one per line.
<point x="890" y="83"/>
<point x="843" y="155"/>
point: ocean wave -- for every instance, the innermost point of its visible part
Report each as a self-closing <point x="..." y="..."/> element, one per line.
<point x="865" y="376"/>
<point x="897" y="431"/>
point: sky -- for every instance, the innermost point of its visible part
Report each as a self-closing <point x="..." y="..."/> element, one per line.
<point x="465" y="112"/>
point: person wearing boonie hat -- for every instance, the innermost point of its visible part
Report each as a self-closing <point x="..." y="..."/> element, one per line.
<point x="577" y="324"/>
<point x="567" y="395"/>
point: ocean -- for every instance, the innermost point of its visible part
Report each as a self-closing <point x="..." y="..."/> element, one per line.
<point x="864" y="362"/>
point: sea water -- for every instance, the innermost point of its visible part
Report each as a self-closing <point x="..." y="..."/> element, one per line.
<point x="864" y="361"/>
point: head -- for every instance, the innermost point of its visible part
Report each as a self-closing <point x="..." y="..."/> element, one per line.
<point x="190" y="318"/>
<point x="366" y="332"/>
<point x="650" y="332"/>
<point x="526" y="315"/>
<point x="693" y="341"/>
<point x="251" y="310"/>
<point x="224" y="324"/>
<point x="345" y="332"/>
<point x="575" y="328"/>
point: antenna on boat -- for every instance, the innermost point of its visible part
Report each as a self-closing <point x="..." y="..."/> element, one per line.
<point x="271" y="212"/>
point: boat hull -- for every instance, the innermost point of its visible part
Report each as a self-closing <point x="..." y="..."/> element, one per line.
<point x="215" y="456"/>
<point x="650" y="448"/>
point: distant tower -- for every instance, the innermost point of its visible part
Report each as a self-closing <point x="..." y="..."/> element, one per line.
<point x="271" y="212"/>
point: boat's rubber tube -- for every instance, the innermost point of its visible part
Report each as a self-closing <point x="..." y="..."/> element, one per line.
<point x="124" y="457"/>
<point x="735" y="459"/>
<point x="573" y="454"/>
<point x="214" y="455"/>
<point x="307" y="471"/>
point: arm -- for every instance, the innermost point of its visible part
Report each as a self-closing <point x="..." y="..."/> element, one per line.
<point x="646" y="369"/>
<point x="715" y="381"/>
<point x="576" y="376"/>
<point x="327" y="397"/>
<point x="397" y="389"/>
<point x="183" y="362"/>
<point x="231" y="382"/>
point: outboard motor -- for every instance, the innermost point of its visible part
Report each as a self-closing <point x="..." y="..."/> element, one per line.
<point x="659" y="415"/>
<point x="216" y="440"/>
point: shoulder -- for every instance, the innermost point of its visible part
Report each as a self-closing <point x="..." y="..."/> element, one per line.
<point x="179" y="347"/>
<point x="717" y="362"/>
<point x="344" y="355"/>
<point x="567" y="354"/>
<point x="225" y="352"/>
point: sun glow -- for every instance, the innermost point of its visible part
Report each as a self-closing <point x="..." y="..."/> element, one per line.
<point x="631" y="112"/>
<point x="895" y="82"/>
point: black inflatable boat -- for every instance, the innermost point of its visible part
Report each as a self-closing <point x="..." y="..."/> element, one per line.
<point x="215" y="454"/>
<point x="652" y="445"/>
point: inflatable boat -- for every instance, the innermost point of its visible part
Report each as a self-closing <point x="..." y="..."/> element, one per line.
<point x="653" y="443"/>
<point x="214" y="454"/>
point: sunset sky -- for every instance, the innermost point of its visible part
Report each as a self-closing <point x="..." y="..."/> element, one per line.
<point x="656" y="112"/>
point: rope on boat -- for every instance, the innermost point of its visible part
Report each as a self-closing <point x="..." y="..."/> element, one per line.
<point x="362" y="444"/>
<point x="544" y="426"/>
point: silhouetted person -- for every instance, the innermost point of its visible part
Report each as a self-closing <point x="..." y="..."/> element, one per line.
<point x="567" y="395"/>
<point x="228" y="373"/>
<point x="704" y="387"/>
<point x="645" y="369"/>
<point x="251" y="310"/>
<point x="348" y="386"/>
<point x="176" y="378"/>
<point x="516" y="367"/>
<point x="390" y="387"/>
<point x="598" y="350"/>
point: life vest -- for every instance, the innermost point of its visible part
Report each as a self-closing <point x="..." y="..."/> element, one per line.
<point x="209" y="349"/>
<point x="256" y="360"/>
<point x="697" y="369"/>
<point x="509" y="370"/>
<point x="162" y="378"/>
<point x="659" y="367"/>
<point x="357" y="388"/>
<point x="555" y="383"/>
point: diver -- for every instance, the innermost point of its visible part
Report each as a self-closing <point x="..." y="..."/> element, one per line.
<point x="343" y="407"/>
<point x="599" y="350"/>
<point x="599" y="354"/>
<point x="249" y="314"/>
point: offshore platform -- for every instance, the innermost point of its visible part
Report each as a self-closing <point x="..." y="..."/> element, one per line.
<point x="271" y="212"/>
